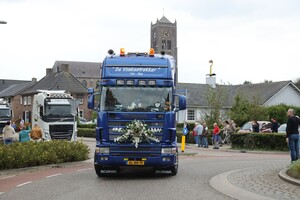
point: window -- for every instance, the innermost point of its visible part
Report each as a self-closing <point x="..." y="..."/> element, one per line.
<point x="191" y="115"/>
<point x="80" y="100"/>
<point x="154" y="35"/>
<point x="80" y="113"/>
<point x="29" y="100"/>
<point x="169" y="46"/>
<point x="163" y="44"/>
<point x="25" y="101"/>
<point x="84" y="83"/>
<point x="21" y="100"/>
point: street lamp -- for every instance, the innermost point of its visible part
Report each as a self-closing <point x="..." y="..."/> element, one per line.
<point x="3" y="22"/>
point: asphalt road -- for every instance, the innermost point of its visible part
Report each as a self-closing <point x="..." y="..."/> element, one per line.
<point x="197" y="167"/>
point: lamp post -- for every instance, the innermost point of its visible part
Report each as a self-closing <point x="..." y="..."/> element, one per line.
<point x="3" y="22"/>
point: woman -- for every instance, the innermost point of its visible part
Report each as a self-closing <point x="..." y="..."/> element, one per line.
<point x="36" y="134"/>
<point x="24" y="134"/>
<point x="9" y="134"/>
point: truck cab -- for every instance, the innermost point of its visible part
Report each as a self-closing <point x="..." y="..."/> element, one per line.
<point x="136" y="87"/>
<point x="5" y="114"/>
<point x="54" y="111"/>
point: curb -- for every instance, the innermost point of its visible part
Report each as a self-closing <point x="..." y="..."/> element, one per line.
<point x="282" y="174"/>
<point x="221" y="184"/>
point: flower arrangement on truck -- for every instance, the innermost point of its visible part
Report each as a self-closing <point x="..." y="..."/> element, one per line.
<point x="136" y="106"/>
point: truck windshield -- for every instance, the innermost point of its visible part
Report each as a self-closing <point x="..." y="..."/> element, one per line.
<point x="4" y="113"/>
<point x="58" y="111"/>
<point x="136" y="99"/>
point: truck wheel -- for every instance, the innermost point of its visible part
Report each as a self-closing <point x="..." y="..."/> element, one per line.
<point x="174" y="170"/>
<point x="98" y="169"/>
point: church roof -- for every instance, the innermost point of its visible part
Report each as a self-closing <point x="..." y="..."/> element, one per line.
<point x="164" y="20"/>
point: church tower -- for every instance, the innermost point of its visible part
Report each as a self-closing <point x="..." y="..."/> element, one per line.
<point x="164" y="38"/>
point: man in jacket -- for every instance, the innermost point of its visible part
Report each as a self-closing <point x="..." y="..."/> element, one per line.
<point x="199" y="129"/>
<point x="292" y="134"/>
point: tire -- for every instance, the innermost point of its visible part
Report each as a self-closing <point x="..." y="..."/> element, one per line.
<point x="174" y="169"/>
<point x="98" y="169"/>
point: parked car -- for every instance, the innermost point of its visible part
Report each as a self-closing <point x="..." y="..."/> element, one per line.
<point x="247" y="127"/>
<point x="282" y="128"/>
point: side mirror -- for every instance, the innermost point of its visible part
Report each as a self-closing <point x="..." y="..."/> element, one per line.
<point x="91" y="98"/>
<point x="182" y="102"/>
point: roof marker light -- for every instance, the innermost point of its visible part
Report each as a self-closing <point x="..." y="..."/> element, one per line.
<point x="122" y="52"/>
<point x="151" y="52"/>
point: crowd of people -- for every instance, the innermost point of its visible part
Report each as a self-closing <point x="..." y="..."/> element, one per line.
<point x="26" y="133"/>
<point x="222" y="135"/>
<point x="200" y="133"/>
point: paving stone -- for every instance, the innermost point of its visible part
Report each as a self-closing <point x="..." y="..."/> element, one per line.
<point x="264" y="181"/>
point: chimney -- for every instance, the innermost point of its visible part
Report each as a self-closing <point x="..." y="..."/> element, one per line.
<point x="34" y="80"/>
<point x="48" y="71"/>
<point x="211" y="81"/>
<point x="211" y="77"/>
<point x="64" y="67"/>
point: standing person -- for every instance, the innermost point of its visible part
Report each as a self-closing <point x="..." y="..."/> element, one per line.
<point x="204" y="135"/>
<point x="24" y="134"/>
<point x="195" y="134"/>
<point x="292" y="134"/>
<point x="232" y="126"/>
<point x="255" y="127"/>
<point x="226" y="130"/>
<point x="216" y="133"/>
<point x="274" y="125"/>
<point x="186" y="130"/>
<point x="9" y="134"/>
<point x="36" y="134"/>
<point x="199" y="129"/>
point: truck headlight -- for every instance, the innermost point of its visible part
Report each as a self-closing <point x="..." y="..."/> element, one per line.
<point x="46" y="135"/>
<point x="102" y="150"/>
<point x="168" y="151"/>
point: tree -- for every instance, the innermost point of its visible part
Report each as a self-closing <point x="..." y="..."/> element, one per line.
<point x="247" y="83"/>
<point x="239" y="110"/>
<point x="216" y="99"/>
<point x="244" y="110"/>
<point x="297" y="82"/>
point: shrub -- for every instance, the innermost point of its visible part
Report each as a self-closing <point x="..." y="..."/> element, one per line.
<point x="86" y="132"/>
<point x="92" y="126"/>
<point x="19" y="155"/>
<point x="294" y="170"/>
<point x="265" y="141"/>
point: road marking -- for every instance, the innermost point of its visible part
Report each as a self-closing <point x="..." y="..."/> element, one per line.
<point x="6" y="177"/>
<point x="53" y="175"/>
<point x="86" y="169"/>
<point x="24" y="183"/>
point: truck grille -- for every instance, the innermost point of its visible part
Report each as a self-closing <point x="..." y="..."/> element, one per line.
<point x="132" y="151"/>
<point x="61" y="131"/>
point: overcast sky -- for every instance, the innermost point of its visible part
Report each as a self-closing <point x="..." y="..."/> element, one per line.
<point x="253" y="40"/>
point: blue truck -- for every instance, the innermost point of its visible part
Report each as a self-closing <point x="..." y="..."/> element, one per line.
<point x="137" y="89"/>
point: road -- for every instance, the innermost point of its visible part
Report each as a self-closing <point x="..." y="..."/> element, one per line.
<point x="79" y="181"/>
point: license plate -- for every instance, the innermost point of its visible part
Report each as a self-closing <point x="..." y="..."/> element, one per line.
<point x="135" y="162"/>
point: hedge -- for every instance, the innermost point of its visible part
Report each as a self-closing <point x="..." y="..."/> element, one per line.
<point x="265" y="141"/>
<point x="86" y="132"/>
<point x="27" y="154"/>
